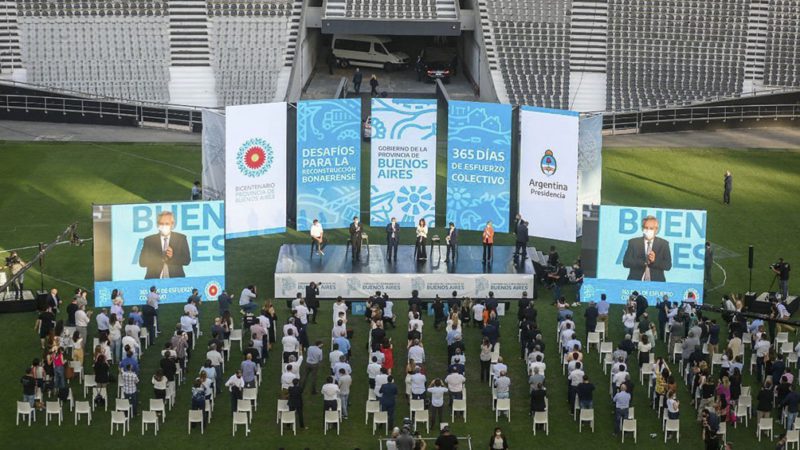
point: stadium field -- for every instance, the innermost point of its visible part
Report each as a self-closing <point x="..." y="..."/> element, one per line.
<point x="46" y="186"/>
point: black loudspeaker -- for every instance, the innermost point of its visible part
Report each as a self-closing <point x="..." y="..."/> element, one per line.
<point x="41" y="300"/>
<point x="749" y="299"/>
<point x="750" y="252"/>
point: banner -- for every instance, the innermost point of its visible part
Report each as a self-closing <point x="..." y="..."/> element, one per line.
<point x="478" y="165"/>
<point x="359" y="286"/>
<point x="175" y="247"/>
<point x="590" y="164"/>
<point x="328" y="162"/>
<point x="650" y="250"/>
<point x="255" y="170"/>
<point x="548" y="172"/>
<point x="213" y="180"/>
<point x="403" y="161"/>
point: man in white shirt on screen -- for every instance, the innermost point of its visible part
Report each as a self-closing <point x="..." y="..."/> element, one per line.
<point x="317" y="237"/>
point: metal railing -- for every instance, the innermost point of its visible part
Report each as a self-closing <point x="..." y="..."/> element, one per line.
<point x="632" y="122"/>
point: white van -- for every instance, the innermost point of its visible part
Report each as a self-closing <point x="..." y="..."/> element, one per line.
<point x="367" y="51"/>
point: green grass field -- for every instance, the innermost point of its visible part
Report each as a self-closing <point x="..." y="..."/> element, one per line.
<point x="47" y="186"/>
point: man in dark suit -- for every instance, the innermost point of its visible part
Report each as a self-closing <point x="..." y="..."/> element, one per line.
<point x="452" y="243"/>
<point x="312" y="291"/>
<point x="648" y="256"/>
<point x="355" y="238"/>
<point x="726" y="194"/>
<point x="522" y="240"/>
<point x="295" y="402"/>
<point x="392" y="239"/>
<point x="164" y="254"/>
<point x="53" y="300"/>
<point x="387" y="399"/>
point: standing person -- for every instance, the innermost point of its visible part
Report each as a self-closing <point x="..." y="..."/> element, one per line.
<point x="498" y="441"/>
<point x="314" y="358"/>
<point x="422" y="237"/>
<point x="782" y="270"/>
<point x="197" y="191"/>
<point x="331" y="60"/>
<point x="488" y="241"/>
<point x="236" y="386"/>
<point x="388" y="396"/>
<point x="591" y="314"/>
<point x="355" y="238"/>
<point x="446" y="440"/>
<point x="708" y="262"/>
<point x="437" y="391"/>
<point x="622" y="401"/>
<point x="344" y="382"/>
<point x="330" y="393"/>
<point x="357" y="77"/>
<point x="317" y="239"/>
<point x="129" y="380"/>
<point x="521" y="248"/>
<point x="373" y="84"/>
<point x="419" y="67"/>
<point x="224" y="302"/>
<point x="312" y="302"/>
<point x="710" y="429"/>
<point x="15" y="264"/>
<point x="295" y="402"/>
<point x="392" y="239"/>
<point x="29" y="387"/>
<point x="452" y="243"/>
<point x="728" y="187"/>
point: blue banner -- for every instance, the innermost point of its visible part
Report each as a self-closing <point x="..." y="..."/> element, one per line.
<point x="478" y="165"/>
<point x="403" y="161"/>
<point x="175" y="247"/>
<point x="650" y="250"/>
<point x="328" y="162"/>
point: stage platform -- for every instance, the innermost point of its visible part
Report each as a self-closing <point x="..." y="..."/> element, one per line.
<point x="339" y="276"/>
<point x="9" y="304"/>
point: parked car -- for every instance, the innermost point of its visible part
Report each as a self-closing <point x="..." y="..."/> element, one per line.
<point x="367" y="51"/>
<point x="439" y="62"/>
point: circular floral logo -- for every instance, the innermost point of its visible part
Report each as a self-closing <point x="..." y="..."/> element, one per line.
<point x="255" y="157"/>
<point x="212" y="290"/>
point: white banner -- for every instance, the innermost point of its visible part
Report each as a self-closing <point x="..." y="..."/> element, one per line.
<point x="350" y="285"/>
<point x="255" y="170"/>
<point x="403" y="161"/>
<point x="213" y="155"/>
<point x="548" y="180"/>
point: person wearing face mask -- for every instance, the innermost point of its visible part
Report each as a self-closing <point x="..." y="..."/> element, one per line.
<point x="166" y="253"/>
<point x="392" y="239"/>
<point x="648" y="256"/>
<point x="452" y="243"/>
<point x="498" y="441"/>
<point x="355" y="238"/>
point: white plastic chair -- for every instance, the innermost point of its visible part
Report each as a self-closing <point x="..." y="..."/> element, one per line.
<point x="195" y="416"/>
<point x="541" y="418"/>
<point x="118" y="418"/>
<point x="83" y="407"/>
<point x="764" y="424"/>
<point x="283" y="405"/>
<point x="52" y="409"/>
<point x="629" y="426"/>
<point x="380" y="417"/>
<point x="240" y="418"/>
<point x="793" y="437"/>
<point x="503" y="405"/>
<point x="416" y="405"/>
<point x="150" y="417"/>
<point x="251" y="394"/>
<point x="77" y="367"/>
<point x="332" y="418"/>
<point x="672" y="426"/>
<point x="88" y="383"/>
<point x="373" y="406"/>
<point x="587" y="415"/>
<point x="25" y="409"/>
<point x="423" y="416"/>
<point x="288" y="418"/>
<point x="236" y="335"/>
<point x="592" y="339"/>
<point x="157" y="405"/>
<point x="246" y="407"/>
<point x="459" y="405"/>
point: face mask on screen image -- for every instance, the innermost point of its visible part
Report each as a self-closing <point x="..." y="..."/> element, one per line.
<point x="649" y="234"/>
<point x="164" y="230"/>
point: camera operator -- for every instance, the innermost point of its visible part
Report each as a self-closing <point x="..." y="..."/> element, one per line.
<point x="782" y="269"/>
<point x="14" y="264"/>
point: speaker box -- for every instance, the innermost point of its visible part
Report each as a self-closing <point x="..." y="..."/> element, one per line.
<point x="41" y="300"/>
<point x="749" y="298"/>
<point x="750" y="254"/>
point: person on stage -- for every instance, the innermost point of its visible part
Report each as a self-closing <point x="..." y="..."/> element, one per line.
<point x="165" y="253"/>
<point x="488" y="241"/>
<point x="422" y="237"/>
<point x="452" y="241"/>
<point x="355" y="238"/>
<point x="392" y="239"/>
<point x="728" y="187"/>
<point x="522" y="240"/>
<point x="317" y="239"/>
<point x="648" y="256"/>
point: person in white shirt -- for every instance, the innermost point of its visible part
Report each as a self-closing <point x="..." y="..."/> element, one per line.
<point x="373" y="369"/>
<point x="301" y="312"/>
<point x="388" y="313"/>
<point x="619" y="377"/>
<point x="502" y="385"/>
<point x="500" y="366"/>
<point x="236" y="385"/>
<point x="477" y="313"/>
<point x="339" y="307"/>
<point x="82" y="321"/>
<point x="286" y="380"/>
<point x="416" y="353"/>
<point x="455" y="384"/>
<point x="317" y="239"/>
<point x="629" y="321"/>
<point x="761" y="349"/>
<point x="338" y="329"/>
<point x="381" y="379"/>
<point x="345" y="380"/>
<point x="538" y="363"/>
<point x="291" y="346"/>
<point x="418" y="381"/>
<point x="290" y="326"/>
<point x="416" y="321"/>
<point x="341" y="365"/>
<point x="437" y="391"/>
<point x="334" y="355"/>
<point x="330" y="392"/>
<point x="247" y="300"/>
